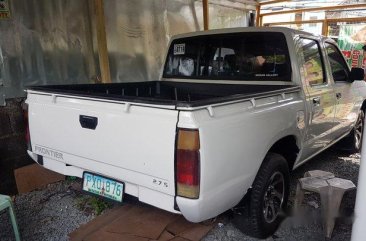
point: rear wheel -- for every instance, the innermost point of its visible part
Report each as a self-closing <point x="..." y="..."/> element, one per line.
<point x="262" y="211"/>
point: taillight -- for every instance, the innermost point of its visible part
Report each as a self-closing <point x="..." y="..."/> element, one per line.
<point x="188" y="163"/>
<point x="26" y="126"/>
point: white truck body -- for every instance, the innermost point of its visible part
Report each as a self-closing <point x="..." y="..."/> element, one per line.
<point x="135" y="142"/>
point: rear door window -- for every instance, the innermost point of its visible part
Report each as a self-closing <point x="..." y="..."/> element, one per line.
<point x="313" y="62"/>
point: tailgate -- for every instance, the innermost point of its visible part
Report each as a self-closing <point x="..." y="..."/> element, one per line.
<point x="131" y="143"/>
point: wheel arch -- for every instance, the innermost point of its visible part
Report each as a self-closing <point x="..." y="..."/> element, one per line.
<point x="288" y="148"/>
<point x="363" y="106"/>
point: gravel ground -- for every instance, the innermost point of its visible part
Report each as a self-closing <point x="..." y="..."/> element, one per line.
<point x="48" y="214"/>
<point x="52" y="213"/>
<point x="308" y="226"/>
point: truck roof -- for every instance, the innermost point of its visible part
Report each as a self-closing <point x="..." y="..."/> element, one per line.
<point x="286" y="31"/>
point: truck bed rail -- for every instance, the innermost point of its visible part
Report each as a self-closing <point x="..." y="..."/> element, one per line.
<point x="182" y="95"/>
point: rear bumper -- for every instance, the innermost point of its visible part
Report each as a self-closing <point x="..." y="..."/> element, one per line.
<point x="195" y="210"/>
<point x="144" y="194"/>
<point x="210" y="204"/>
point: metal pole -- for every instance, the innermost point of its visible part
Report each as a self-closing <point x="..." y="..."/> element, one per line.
<point x="358" y="229"/>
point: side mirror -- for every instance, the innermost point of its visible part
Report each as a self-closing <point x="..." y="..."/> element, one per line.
<point x="357" y="74"/>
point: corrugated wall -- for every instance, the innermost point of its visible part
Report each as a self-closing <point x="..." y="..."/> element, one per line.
<point x="53" y="41"/>
<point x="45" y="42"/>
<point x="138" y="32"/>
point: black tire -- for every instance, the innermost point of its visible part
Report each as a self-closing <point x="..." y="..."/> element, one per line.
<point x="353" y="141"/>
<point x="251" y="218"/>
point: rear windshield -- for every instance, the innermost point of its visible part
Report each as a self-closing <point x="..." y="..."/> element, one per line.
<point x="239" y="56"/>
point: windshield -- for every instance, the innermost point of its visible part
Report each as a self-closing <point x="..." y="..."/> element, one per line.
<point x="238" y="56"/>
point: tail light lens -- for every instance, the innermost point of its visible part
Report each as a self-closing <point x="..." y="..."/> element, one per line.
<point x="188" y="163"/>
<point x="26" y="123"/>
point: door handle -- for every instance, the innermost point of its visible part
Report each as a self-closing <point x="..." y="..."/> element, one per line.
<point x="88" y="122"/>
<point x="338" y="96"/>
<point x="316" y="101"/>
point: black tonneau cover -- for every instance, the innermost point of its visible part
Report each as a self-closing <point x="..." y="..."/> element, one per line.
<point x="168" y="92"/>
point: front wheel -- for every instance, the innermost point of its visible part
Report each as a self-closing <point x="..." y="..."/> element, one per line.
<point x="353" y="141"/>
<point x="262" y="211"/>
<point x="358" y="132"/>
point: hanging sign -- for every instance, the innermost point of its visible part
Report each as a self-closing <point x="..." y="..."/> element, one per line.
<point x="352" y="38"/>
<point x="4" y="9"/>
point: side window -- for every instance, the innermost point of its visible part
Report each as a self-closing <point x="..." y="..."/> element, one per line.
<point x="313" y="62"/>
<point x="338" y="66"/>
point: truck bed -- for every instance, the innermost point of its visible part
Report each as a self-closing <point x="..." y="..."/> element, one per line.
<point x="168" y="92"/>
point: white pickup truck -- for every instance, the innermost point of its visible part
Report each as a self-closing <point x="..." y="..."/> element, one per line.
<point x="233" y="113"/>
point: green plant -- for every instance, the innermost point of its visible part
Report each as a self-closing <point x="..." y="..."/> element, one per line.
<point x="99" y="205"/>
<point x="92" y="204"/>
<point x="70" y="179"/>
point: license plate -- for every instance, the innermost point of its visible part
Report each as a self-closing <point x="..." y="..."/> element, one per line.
<point x="103" y="186"/>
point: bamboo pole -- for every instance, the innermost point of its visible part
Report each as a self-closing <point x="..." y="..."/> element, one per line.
<point x="329" y="20"/>
<point x="102" y="42"/>
<point x="339" y="7"/>
<point x="295" y="22"/>
<point x="260" y="21"/>
<point x="257" y="15"/>
<point x="325" y="27"/>
<point x="273" y="2"/>
<point x="205" y="14"/>
<point x="340" y="20"/>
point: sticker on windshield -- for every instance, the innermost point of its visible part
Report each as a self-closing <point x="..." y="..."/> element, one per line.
<point x="179" y="49"/>
<point x="266" y="75"/>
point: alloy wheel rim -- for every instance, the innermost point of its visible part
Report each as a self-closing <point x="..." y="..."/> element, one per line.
<point x="274" y="197"/>
<point x="358" y="131"/>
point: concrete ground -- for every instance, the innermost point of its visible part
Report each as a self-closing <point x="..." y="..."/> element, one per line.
<point x="52" y="213"/>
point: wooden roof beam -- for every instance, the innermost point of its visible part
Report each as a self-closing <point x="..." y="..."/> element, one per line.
<point x="272" y="2"/>
<point x="338" y="7"/>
